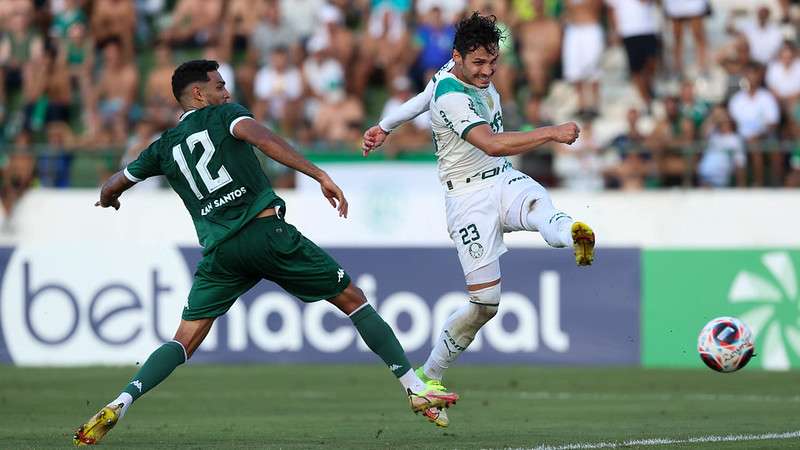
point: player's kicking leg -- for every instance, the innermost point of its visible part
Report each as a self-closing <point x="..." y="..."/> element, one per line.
<point x="556" y="227"/>
<point x="380" y="338"/>
<point x="158" y="367"/>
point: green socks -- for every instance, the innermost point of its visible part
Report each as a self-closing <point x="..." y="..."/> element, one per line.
<point x="158" y="366"/>
<point x="380" y="338"/>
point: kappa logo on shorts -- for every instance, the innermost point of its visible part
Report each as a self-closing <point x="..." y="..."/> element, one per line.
<point x="340" y="275"/>
<point x="475" y="250"/>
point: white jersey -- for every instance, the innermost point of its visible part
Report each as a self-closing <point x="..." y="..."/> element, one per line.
<point x="456" y="108"/>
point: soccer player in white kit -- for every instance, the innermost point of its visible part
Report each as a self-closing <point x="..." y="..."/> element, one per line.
<point x="484" y="195"/>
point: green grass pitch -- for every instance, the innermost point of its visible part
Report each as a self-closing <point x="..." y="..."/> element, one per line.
<point x="361" y="406"/>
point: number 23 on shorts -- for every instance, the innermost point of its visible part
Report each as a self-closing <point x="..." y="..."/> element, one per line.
<point x="469" y="234"/>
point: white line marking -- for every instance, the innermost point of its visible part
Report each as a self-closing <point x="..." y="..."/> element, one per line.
<point x="606" y="396"/>
<point x="667" y="441"/>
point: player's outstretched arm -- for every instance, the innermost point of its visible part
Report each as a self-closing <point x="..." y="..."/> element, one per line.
<point x="278" y="149"/>
<point x="516" y="142"/>
<point x="376" y="135"/>
<point x="112" y="189"/>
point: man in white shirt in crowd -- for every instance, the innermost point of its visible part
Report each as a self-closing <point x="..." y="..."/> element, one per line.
<point x="756" y="113"/>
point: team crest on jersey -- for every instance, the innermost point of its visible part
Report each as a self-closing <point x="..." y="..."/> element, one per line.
<point x="475" y="250"/>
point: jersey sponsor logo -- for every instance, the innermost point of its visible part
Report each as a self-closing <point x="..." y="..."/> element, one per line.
<point x="222" y="201"/>
<point x="515" y="179"/>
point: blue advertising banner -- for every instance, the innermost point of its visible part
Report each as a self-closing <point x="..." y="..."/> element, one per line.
<point x="55" y="303"/>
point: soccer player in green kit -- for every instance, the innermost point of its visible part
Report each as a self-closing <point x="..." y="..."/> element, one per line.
<point x="208" y="160"/>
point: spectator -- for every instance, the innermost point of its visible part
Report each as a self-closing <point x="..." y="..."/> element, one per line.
<point x="583" y="51"/>
<point x="783" y="80"/>
<point x="724" y="155"/>
<point x="79" y="51"/>
<point x="579" y="166"/>
<point x="414" y="136"/>
<point x="323" y="76"/>
<point x="636" y="22"/>
<point x="339" y="119"/>
<point x="271" y="32"/>
<point x="694" y="109"/>
<point x="434" y="42"/>
<point x="384" y="46"/>
<point x="58" y="91"/>
<point x="114" y="19"/>
<point x="114" y="96"/>
<point x="764" y="37"/>
<point x="635" y="159"/>
<point x="302" y="16"/>
<point x="195" y="23"/>
<point x="682" y="13"/>
<point x="672" y="141"/>
<point x="540" y="48"/>
<point x="70" y="15"/>
<point x="734" y="57"/>
<point x="21" y="45"/>
<point x="278" y="90"/>
<point x="451" y="10"/>
<point x="53" y="165"/>
<point x="158" y="87"/>
<point x="756" y="113"/>
<point x="241" y="19"/>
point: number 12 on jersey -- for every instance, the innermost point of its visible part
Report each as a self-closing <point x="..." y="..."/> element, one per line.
<point x="211" y="183"/>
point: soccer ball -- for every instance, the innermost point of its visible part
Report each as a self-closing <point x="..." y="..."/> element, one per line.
<point x="725" y="344"/>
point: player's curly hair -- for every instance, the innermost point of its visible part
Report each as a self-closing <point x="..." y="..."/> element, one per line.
<point x="477" y="31"/>
<point x="191" y="72"/>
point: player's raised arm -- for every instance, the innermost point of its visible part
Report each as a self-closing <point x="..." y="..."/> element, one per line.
<point x="515" y="142"/>
<point x="278" y="149"/>
<point x="112" y="189"/>
<point x="376" y="135"/>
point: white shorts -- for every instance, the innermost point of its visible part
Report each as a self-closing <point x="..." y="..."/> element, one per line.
<point x="477" y="217"/>
<point x="684" y="9"/>
<point x="582" y="52"/>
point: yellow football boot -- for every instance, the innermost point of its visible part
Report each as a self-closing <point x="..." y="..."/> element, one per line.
<point x="583" y="241"/>
<point x="101" y="423"/>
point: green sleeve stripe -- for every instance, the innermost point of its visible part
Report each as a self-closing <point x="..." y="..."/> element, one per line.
<point x="470" y="127"/>
<point x="448" y="86"/>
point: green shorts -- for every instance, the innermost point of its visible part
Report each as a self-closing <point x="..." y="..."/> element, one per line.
<point x="266" y="248"/>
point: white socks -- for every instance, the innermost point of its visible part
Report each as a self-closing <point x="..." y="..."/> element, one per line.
<point x="554" y="226"/>
<point x="458" y="332"/>
<point x="410" y="380"/>
<point x="126" y="401"/>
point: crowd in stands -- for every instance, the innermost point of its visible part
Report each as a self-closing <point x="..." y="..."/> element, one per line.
<point x="83" y="76"/>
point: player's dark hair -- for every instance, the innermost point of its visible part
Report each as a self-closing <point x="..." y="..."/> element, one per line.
<point x="191" y="72"/>
<point x="477" y="31"/>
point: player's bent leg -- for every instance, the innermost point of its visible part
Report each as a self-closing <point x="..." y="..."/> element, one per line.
<point x="380" y="338"/>
<point x="537" y="213"/>
<point x="552" y="224"/>
<point x="159" y="365"/>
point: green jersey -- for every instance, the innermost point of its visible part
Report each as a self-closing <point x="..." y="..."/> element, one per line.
<point x="217" y="176"/>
